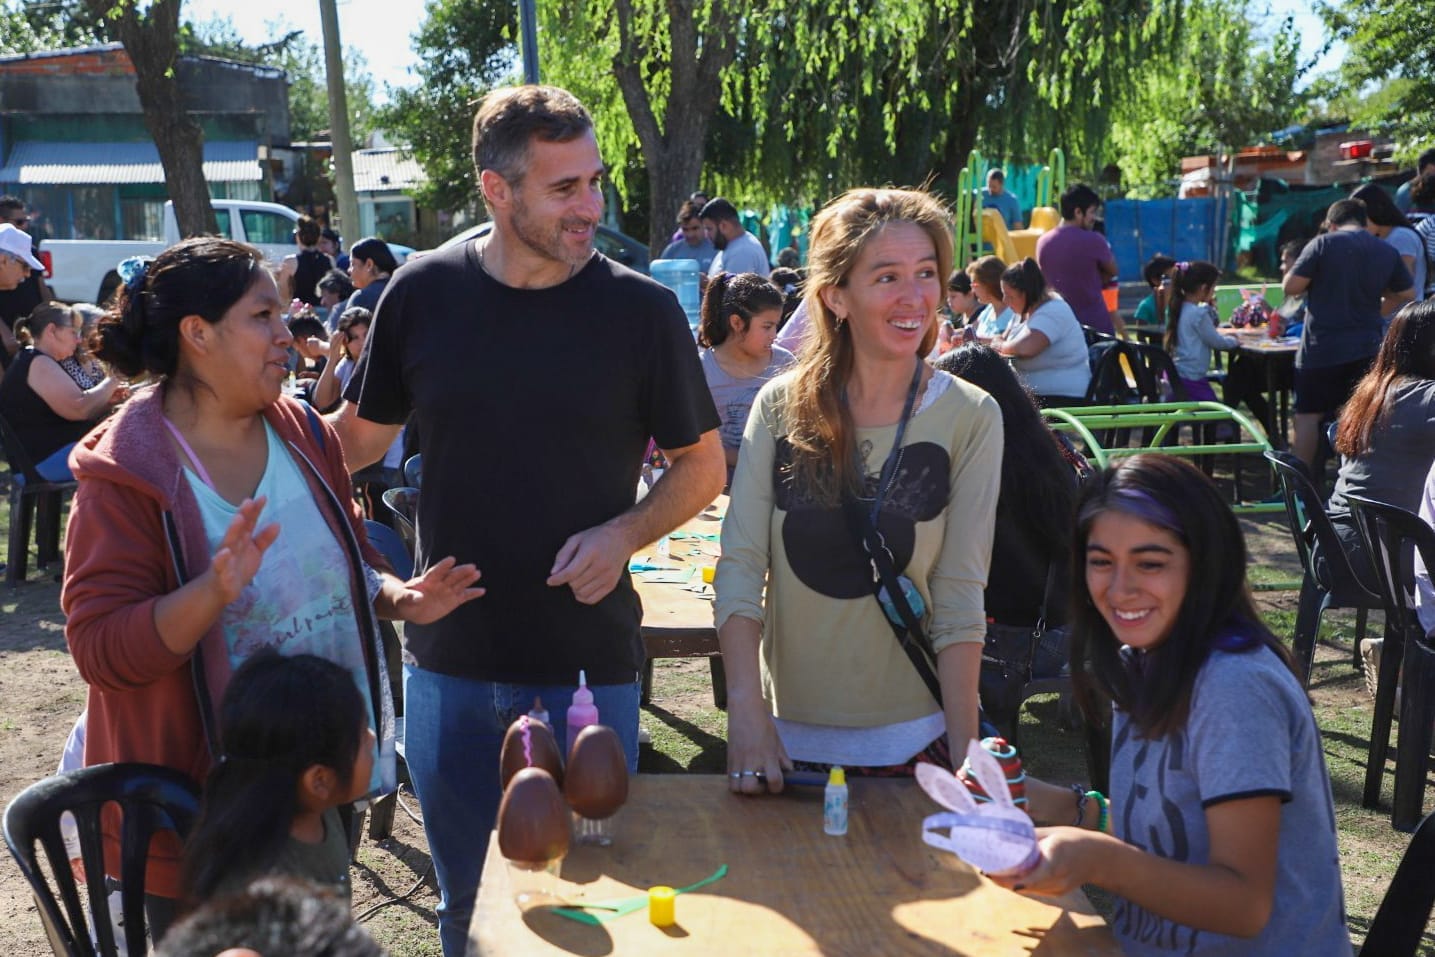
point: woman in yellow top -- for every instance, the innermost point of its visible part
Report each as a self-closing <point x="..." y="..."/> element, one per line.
<point x="861" y="441"/>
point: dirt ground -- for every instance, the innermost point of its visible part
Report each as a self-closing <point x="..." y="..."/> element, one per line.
<point x="41" y="695"/>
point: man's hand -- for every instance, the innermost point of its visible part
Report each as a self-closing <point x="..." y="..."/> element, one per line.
<point x="591" y="562"/>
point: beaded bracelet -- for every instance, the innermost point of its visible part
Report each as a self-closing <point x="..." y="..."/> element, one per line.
<point x="1103" y="807"/>
<point x="1081" y="798"/>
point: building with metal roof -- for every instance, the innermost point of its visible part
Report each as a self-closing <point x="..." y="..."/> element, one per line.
<point x="74" y="145"/>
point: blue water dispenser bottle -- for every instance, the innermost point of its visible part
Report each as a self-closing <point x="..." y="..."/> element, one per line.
<point x="681" y="276"/>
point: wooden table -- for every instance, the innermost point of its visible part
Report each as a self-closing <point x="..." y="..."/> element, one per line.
<point x="790" y="890"/>
<point x="678" y="618"/>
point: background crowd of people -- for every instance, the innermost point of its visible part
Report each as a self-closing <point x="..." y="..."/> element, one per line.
<point x="894" y="492"/>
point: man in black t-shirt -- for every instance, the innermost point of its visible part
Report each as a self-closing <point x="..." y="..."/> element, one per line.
<point x="1350" y="279"/>
<point x="536" y="370"/>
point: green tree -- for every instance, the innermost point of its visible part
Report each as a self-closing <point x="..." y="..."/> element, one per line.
<point x="31" y="27"/>
<point x="774" y="101"/>
<point x="1391" y="46"/>
<point x="465" y="47"/>
<point x="1220" y="88"/>
<point x="667" y="60"/>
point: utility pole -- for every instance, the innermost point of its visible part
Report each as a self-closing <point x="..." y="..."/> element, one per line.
<point x="528" y="27"/>
<point x="339" y="124"/>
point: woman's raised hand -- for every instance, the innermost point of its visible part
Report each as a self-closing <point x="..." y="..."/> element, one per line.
<point x="338" y="344"/>
<point x="438" y="591"/>
<point x="237" y="559"/>
<point x="755" y="755"/>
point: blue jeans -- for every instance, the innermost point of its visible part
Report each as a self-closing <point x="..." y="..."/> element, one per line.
<point x="453" y="732"/>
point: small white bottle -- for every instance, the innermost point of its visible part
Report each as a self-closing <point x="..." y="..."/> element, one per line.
<point x="834" y="803"/>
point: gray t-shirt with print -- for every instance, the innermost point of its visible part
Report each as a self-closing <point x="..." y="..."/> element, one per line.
<point x="734" y="396"/>
<point x="1250" y="733"/>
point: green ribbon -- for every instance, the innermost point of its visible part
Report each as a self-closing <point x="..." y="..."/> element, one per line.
<point x="618" y="908"/>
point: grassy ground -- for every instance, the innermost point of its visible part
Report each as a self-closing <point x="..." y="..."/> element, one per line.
<point x="39" y="693"/>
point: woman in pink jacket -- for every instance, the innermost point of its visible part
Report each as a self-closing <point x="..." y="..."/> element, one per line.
<point x="213" y="518"/>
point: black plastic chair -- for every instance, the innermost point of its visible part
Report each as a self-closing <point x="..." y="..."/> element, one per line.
<point x="1400" y="922"/>
<point x="1109" y="383"/>
<point x="1153" y="365"/>
<point x="1393" y="537"/>
<point x="414" y="471"/>
<point x="34" y="501"/>
<point x="1309" y="524"/>
<point x="151" y="799"/>
<point x="403" y="503"/>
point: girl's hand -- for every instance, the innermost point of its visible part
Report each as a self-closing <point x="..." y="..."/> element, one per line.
<point x="441" y="589"/>
<point x="337" y="347"/>
<point x="237" y="559"/>
<point x="1069" y="858"/>
<point x="753" y="746"/>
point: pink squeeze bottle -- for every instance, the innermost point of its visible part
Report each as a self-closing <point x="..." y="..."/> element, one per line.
<point x="582" y="712"/>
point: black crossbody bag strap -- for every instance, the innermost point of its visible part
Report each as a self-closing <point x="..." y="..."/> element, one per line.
<point x="913" y="637"/>
<point x="1041" y="622"/>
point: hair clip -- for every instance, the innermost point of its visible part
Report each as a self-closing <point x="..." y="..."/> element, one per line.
<point x="1182" y="266"/>
<point x="133" y="271"/>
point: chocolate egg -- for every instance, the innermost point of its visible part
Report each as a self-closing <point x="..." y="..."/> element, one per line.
<point x="597" y="777"/>
<point x="532" y="819"/>
<point x="539" y="750"/>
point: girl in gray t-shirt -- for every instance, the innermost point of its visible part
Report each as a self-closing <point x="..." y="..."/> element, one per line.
<point x="1219" y="837"/>
<point x="740" y="316"/>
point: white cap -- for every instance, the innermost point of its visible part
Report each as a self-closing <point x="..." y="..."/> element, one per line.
<point x="16" y="242"/>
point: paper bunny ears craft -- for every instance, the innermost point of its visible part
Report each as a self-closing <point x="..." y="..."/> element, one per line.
<point x="996" y="837"/>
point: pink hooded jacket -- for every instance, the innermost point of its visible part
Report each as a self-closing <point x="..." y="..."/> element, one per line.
<point x="135" y="535"/>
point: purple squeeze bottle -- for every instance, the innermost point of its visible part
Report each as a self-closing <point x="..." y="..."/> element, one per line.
<point x="582" y="712"/>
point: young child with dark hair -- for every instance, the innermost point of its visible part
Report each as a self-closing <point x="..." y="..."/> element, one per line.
<point x="740" y="316"/>
<point x="296" y="746"/>
<point x="1219" y="837"/>
<point x="311" y="344"/>
<point x="1157" y="273"/>
<point x="272" y="916"/>
<point x="1191" y="326"/>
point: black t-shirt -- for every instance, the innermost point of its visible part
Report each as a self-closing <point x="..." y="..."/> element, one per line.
<point x="310" y="267"/>
<point x="1349" y="270"/>
<point x="17" y="303"/>
<point x="41" y="431"/>
<point x="534" y="407"/>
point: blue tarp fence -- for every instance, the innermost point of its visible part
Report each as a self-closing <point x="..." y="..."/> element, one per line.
<point x="1184" y="229"/>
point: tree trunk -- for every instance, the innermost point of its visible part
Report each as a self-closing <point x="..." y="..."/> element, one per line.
<point x="962" y="126"/>
<point x="674" y="152"/>
<point x="152" y="43"/>
<point x="674" y="170"/>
